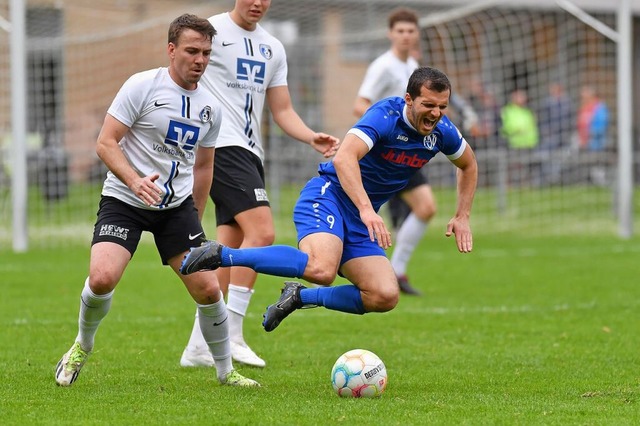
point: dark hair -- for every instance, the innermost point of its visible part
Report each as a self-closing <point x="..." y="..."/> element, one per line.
<point x="402" y="14"/>
<point x="190" y="22"/>
<point x="431" y="78"/>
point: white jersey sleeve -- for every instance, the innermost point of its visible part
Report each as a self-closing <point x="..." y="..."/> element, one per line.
<point x="166" y="125"/>
<point x="243" y="65"/>
<point x="386" y="76"/>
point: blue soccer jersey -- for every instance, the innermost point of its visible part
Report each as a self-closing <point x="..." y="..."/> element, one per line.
<point x="396" y="149"/>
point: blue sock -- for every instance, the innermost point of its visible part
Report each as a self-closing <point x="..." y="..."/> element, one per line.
<point x="343" y="298"/>
<point x="282" y="261"/>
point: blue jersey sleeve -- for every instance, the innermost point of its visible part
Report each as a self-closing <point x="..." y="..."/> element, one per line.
<point x="378" y="121"/>
<point x="452" y="143"/>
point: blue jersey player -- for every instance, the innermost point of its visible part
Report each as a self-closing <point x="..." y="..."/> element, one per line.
<point x="336" y="216"/>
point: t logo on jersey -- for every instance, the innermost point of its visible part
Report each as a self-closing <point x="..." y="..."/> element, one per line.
<point x="182" y="134"/>
<point x="252" y="71"/>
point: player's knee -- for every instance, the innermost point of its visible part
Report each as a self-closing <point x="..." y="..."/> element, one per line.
<point x="426" y="212"/>
<point x="103" y="283"/>
<point x="264" y="238"/>
<point x="205" y="290"/>
<point x="385" y="298"/>
<point x="388" y="301"/>
<point x="320" y="274"/>
<point x="322" y="278"/>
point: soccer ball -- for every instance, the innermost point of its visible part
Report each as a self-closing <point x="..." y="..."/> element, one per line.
<point x="359" y="373"/>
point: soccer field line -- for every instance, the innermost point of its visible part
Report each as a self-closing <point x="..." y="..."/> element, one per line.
<point x="427" y="310"/>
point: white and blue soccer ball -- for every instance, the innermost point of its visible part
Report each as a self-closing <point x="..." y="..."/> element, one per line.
<point x="359" y="373"/>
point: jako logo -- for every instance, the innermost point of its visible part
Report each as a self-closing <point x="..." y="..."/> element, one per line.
<point x="403" y="158"/>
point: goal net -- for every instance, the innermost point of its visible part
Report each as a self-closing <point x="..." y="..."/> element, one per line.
<point x="553" y="65"/>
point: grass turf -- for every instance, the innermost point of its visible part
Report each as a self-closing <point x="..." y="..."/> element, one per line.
<point x="525" y="330"/>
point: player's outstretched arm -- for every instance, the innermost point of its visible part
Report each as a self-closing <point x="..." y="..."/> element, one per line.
<point x="459" y="226"/>
<point x="348" y="170"/>
<point x="287" y="118"/>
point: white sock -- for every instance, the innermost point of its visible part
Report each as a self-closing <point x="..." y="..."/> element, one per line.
<point x="196" y="340"/>
<point x="215" y="330"/>
<point x="237" y="305"/>
<point x="93" y="308"/>
<point x="407" y="239"/>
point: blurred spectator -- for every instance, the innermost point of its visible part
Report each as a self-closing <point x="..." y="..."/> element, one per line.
<point x="520" y="129"/>
<point x="519" y="125"/>
<point x="593" y="121"/>
<point x="555" y="118"/>
<point x="486" y="133"/>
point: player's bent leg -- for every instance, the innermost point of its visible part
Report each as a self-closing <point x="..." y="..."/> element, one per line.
<point x="203" y="288"/>
<point x="324" y="251"/>
<point x="196" y="353"/>
<point x="255" y="228"/>
<point x="376" y="280"/>
<point x="421" y="201"/>
<point x="107" y="264"/>
<point x="423" y="207"/>
<point x="212" y="317"/>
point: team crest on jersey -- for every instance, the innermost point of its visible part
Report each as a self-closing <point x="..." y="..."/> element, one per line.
<point x="265" y="50"/>
<point x="429" y="141"/>
<point x="205" y="114"/>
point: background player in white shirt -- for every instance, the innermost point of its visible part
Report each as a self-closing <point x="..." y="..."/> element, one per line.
<point x="248" y="67"/>
<point x="157" y="141"/>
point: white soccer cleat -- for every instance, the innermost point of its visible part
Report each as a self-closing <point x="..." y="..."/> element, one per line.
<point x="197" y="357"/>
<point x="69" y="366"/>
<point x="243" y="354"/>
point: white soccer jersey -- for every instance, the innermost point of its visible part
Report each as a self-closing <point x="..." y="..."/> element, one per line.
<point x="166" y="125"/>
<point x="387" y="76"/>
<point x="243" y="65"/>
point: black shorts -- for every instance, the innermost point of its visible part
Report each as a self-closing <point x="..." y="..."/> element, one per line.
<point x="174" y="230"/>
<point x="398" y="209"/>
<point x="238" y="183"/>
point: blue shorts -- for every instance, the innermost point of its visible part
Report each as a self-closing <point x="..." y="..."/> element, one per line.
<point x="324" y="208"/>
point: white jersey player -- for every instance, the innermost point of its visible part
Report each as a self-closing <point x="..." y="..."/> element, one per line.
<point x="157" y="141"/>
<point x="387" y="76"/>
<point x="247" y="70"/>
<point x="166" y="125"/>
<point x="258" y="62"/>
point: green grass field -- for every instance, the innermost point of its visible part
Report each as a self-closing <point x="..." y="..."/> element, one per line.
<point x="525" y="330"/>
